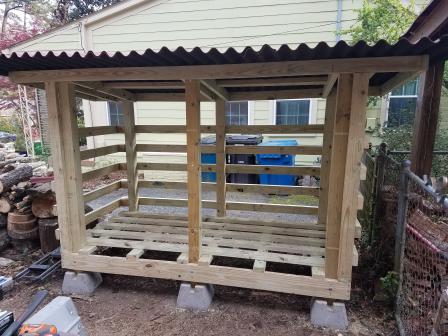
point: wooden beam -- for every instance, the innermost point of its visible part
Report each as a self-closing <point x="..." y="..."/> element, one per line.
<point x="66" y="162"/>
<point x="107" y="189"/>
<point x="94" y="173"/>
<point x="327" y="145"/>
<point x="220" y="113"/>
<point x="264" y="82"/>
<point x="104" y="210"/>
<point x="170" y="129"/>
<point x="338" y="134"/>
<point x="248" y="70"/>
<point x="144" y="85"/>
<point x="99" y="130"/>
<point x="276" y="94"/>
<point x="193" y="116"/>
<point x="296" y="150"/>
<point x="332" y="78"/>
<point x="431" y="24"/>
<point x="217" y="90"/>
<point x="161" y="96"/>
<point x="101" y="151"/>
<point x="352" y="174"/>
<point x="397" y="81"/>
<point x="275" y="129"/>
<point x="426" y="120"/>
<point x="131" y="154"/>
<point x="115" y="93"/>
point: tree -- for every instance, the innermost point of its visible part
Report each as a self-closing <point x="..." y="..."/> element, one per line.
<point x="69" y="10"/>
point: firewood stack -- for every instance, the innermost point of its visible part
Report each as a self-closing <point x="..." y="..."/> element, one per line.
<point x="23" y="202"/>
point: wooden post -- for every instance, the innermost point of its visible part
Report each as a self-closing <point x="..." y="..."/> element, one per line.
<point x="193" y="114"/>
<point x="131" y="154"/>
<point x="338" y="132"/>
<point x="355" y="147"/>
<point x="330" y="110"/>
<point x="426" y="120"/>
<point x="220" y="157"/>
<point x="66" y="163"/>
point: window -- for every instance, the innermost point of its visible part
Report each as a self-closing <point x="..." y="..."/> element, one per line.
<point x="292" y="112"/>
<point x="115" y="114"/>
<point x="402" y="105"/>
<point x="237" y="113"/>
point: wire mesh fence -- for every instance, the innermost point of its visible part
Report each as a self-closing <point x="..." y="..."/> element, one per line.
<point x="422" y="252"/>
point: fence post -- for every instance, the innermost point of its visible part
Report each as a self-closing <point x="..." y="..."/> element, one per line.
<point x="402" y="208"/>
<point x="379" y="181"/>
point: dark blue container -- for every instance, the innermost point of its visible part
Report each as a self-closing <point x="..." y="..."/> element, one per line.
<point x="277" y="160"/>
<point x="208" y="158"/>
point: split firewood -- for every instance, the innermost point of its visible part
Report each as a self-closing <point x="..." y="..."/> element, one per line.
<point x="7" y="168"/>
<point x="5" y="205"/>
<point x="26" y="201"/>
<point x="21" y="173"/>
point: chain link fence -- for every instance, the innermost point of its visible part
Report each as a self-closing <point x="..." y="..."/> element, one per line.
<point x="421" y="257"/>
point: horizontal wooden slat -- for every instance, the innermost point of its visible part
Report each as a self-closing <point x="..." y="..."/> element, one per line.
<point x="175" y="202"/>
<point x="276" y="94"/>
<point x="99" y="130"/>
<point x="298" y="150"/>
<point x="107" y="189"/>
<point x="94" y="173"/>
<point x="161" y="166"/>
<point x="165" y="148"/>
<point x="104" y="210"/>
<point x="101" y="151"/>
<point x="275" y="129"/>
<point x="277" y="208"/>
<point x="276" y="170"/>
<point x="170" y="129"/>
<point x="263" y="82"/>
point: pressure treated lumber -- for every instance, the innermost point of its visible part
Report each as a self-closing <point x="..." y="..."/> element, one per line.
<point x="19" y="174"/>
<point x="193" y="117"/>
<point x="99" y="130"/>
<point x="352" y="174"/>
<point x="234" y="71"/>
<point x="101" y="151"/>
<point x="66" y="163"/>
<point x="220" y="114"/>
<point x="107" y="189"/>
<point x="131" y="154"/>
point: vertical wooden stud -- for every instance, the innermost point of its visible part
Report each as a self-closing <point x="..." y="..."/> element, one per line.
<point x="355" y="146"/>
<point x="220" y="157"/>
<point x="193" y="116"/>
<point x="131" y="154"/>
<point x="66" y="163"/>
<point x="326" y="157"/>
<point x="339" y="136"/>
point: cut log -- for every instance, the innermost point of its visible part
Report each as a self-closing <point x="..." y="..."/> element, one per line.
<point x="5" y="205"/>
<point x="47" y="234"/>
<point x="21" y="173"/>
<point x="3" y="221"/>
<point x="42" y="206"/>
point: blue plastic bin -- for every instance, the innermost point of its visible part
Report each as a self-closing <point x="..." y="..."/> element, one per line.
<point x="277" y="160"/>
<point x="208" y="158"/>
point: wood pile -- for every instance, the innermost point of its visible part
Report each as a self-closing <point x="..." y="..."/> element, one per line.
<point x="24" y="203"/>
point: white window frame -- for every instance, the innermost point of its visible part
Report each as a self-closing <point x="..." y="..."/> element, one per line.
<point x="108" y="112"/>
<point x="391" y="96"/>
<point x="312" y="112"/>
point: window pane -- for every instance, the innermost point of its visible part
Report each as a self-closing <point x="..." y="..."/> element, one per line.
<point x="409" y="89"/>
<point x="115" y="114"/>
<point x="292" y="112"/>
<point x="237" y="113"/>
<point x="401" y="111"/>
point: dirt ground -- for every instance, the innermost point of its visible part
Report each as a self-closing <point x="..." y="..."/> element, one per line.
<point x="125" y="305"/>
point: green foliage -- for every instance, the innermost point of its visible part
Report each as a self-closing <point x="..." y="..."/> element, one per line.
<point x="389" y="285"/>
<point x="13" y="125"/>
<point x="382" y="20"/>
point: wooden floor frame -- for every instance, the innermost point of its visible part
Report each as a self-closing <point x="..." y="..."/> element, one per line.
<point x="343" y="82"/>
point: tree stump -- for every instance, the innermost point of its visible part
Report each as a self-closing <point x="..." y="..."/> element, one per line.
<point x="47" y="234"/>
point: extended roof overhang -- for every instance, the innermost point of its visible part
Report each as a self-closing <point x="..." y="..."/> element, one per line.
<point x="254" y="75"/>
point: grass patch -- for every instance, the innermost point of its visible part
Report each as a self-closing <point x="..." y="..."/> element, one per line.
<point x="295" y="200"/>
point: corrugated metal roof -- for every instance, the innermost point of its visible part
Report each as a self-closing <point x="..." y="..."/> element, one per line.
<point x="437" y="50"/>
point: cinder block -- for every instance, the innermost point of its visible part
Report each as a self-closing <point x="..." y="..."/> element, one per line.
<point x="81" y="283"/>
<point x="60" y="312"/>
<point x="196" y="298"/>
<point x="329" y="316"/>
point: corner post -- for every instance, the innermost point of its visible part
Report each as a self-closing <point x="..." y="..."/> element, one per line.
<point x="355" y="146"/>
<point x="330" y="110"/>
<point x="426" y="120"/>
<point x="338" y="127"/>
<point x="220" y="157"/>
<point x="66" y="163"/>
<point x="193" y="117"/>
<point x="131" y="154"/>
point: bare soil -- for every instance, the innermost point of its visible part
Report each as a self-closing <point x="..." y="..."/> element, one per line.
<point x="125" y="305"/>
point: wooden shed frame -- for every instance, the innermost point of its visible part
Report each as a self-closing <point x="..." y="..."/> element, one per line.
<point x="327" y="247"/>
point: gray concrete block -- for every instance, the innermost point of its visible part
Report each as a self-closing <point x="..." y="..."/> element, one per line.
<point x="81" y="283"/>
<point x="329" y="316"/>
<point x="196" y="298"/>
